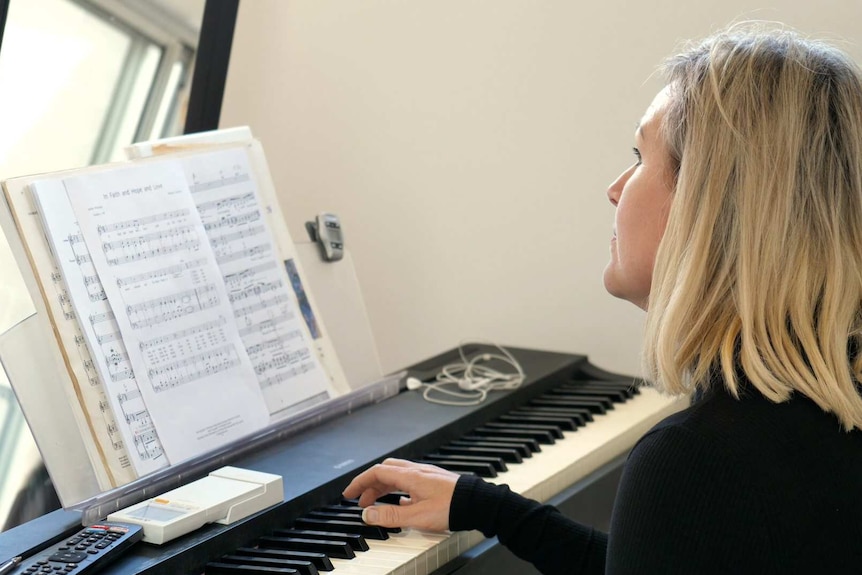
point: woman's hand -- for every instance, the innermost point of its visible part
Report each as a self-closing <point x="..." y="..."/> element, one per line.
<point x="430" y="489"/>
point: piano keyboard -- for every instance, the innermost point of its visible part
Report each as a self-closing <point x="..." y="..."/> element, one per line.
<point x="538" y="449"/>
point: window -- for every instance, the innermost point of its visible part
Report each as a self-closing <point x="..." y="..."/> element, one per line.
<point x="79" y="80"/>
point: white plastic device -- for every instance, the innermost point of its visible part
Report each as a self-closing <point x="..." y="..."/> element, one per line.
<point x="224" y="496"/>
<point x="329" y="236"/>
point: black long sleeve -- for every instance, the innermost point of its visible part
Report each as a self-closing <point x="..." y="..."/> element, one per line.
<point x="726" y="486"/>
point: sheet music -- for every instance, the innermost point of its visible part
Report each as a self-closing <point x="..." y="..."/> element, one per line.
<point x="288" y="254"/>
<point x="101" y="436"/>
<point x="149" y="248"/>
<point x="259" y="285"/>
<point x="122" y="404"/>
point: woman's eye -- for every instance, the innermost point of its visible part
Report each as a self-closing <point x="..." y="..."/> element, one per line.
<point x="638" y="156"/>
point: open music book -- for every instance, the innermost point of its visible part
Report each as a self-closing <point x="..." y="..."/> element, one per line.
<point x="172" y="309"/>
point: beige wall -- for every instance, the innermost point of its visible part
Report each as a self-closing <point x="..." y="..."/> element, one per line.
<point x="467" y="146"/>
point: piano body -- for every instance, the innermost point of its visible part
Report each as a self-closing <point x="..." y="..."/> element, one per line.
<point x="583" y="419"/>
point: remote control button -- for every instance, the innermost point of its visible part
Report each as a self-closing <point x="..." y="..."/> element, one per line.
<point x="67" y="557"/>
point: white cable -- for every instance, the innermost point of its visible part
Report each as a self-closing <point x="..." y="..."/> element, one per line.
<point x="473" y="379"/>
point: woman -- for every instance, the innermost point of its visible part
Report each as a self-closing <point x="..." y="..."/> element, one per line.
<point x="739" y="229"/>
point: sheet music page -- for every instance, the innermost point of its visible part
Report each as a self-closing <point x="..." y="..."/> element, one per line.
<point x="101" y="437"/>
<point x="288" y="254"/>
<point x="123" y="404"/>
<point x="151" y="252"/>
<point x="272" y="328"/>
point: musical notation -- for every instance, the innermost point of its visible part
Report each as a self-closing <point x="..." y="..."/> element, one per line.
<point x="96" y="318"/>
<point x="264" y="304"/>
<point x="168" y="244"/>
<point x="98" y="296"/>
<point x="283" y="360"/>
<point x="286" y="375"/>
<point x="219" y="183"/>
<point x="255" y="290"/>
<point x="147" y="445"/>
<point x="124" y="374"/>
<point x="230" y="202"/>
<point x="273" y="344"/>
<point x="235" y="281"/>
<point x="269" y="325"/>
<point x="244" y="254"/>
<point x="140" y="222"/>
<point x="193" y="368"/>
<point x="152" y="312"/>
<point x="161" y="273"/>
<point x="193" y="331"/>
<point x="232" y="221"/>
<point x="108" y="337"/>
<point x="233" y="237"/>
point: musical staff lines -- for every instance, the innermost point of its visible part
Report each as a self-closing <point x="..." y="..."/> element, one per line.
<point x="193" y="331"/>
<point x="162" y="273"/>
<point x="137" y="223"/>
<point x="193" y="368"/>
<point x="235" y="281"/>
<point x="255" y="290"/>
<point x="233" y="237"/>
<point x="269" y="325"/>
<point x="160" y="310"/>
<point x="230" y="202"/>
<point x="263" y="304"/>
<point x="219" y="183"/>
<point x="244" y="254"/>
<point x="154" y="245"/>
<point x="286" y="375"/>
<point x="232" y="221"/>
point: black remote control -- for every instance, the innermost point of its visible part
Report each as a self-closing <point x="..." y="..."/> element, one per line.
<point x="86" y="551"/>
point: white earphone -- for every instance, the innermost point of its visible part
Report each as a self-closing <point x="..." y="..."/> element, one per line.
<point x="413" y="383"/>
<point x="472" y="377"/>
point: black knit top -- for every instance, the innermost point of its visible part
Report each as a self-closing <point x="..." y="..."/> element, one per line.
<point x="726" y="486"/>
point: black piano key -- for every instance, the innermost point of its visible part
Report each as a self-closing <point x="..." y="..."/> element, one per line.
<point x="344" y="515"/>
<point x="338" y="549"/>
<point x="527" y="442"/>
<point x="563" y="423"/>
<point x="628" y="391"/>
<point x="319" y="560"/>
<point x="616" y="395"/>
<point x="593" y="406"/>
<point x="342" y="526"/>
<point x="581" y="412"/>
<point x="539" y="436"/>
<point x="629" y="386"/>
<point x="393" y="498"/>
<point x="554" y="431"/>
<point x="351" y="509"/>
<point x="357" y="542"/>
<point x="497" y="462"/>
<point x="301" y="567"/>
<point x="480" y="469"/>
<point x="606" y="401"/>
<point x="216" y="568"/>
<point x="320" y="514"/>
<point x="578" y="417"/>
<point x="522" y="450"/>
<point x="507" y="455"/>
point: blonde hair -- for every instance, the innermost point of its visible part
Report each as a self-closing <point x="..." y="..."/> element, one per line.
<point x="759" y="272"/>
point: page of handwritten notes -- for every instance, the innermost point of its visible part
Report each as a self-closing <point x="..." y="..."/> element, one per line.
<point x="272" y="329"/>
<point x="122" y="398"/>
<point x="160" y="276"/>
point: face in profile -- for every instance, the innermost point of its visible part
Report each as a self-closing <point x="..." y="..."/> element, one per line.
<point x="641" y="196"/>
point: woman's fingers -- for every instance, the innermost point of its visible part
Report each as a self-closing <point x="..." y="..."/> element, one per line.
<point x="429" y="488"/>
<point x="378" y="480"/>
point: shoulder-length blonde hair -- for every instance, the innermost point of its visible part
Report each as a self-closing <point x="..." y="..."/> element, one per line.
<point x="759" y="271"/>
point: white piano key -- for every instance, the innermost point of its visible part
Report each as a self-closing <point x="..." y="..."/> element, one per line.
<point x="540" y="477"/>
